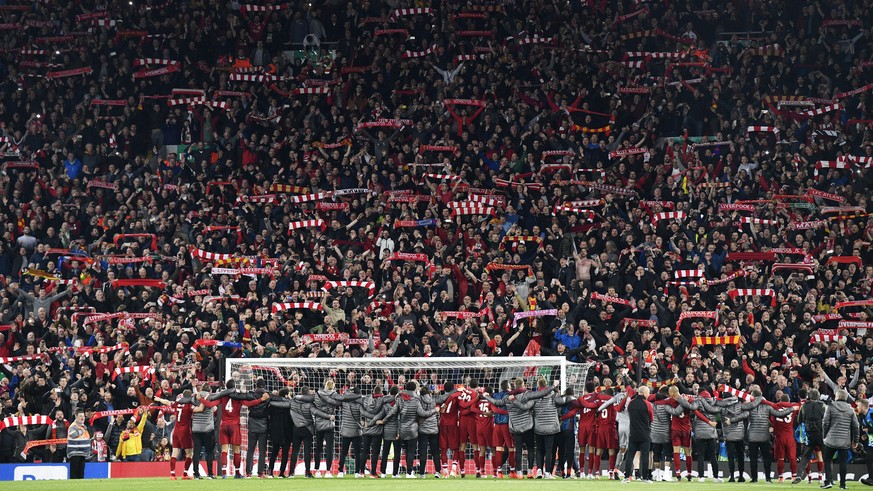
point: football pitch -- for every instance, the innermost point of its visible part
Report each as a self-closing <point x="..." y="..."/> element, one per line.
<point x="428" y="484"/>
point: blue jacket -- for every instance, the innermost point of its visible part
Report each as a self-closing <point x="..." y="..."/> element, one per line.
<point x="569" y="423"/>
<point x="571" y="342"/>
<point x="500" y="419"/>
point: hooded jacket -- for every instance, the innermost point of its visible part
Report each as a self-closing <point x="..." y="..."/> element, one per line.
<point x="735" y="412"/>
<point x="702" y="429"/>
<point x="520" y="408"/>
<point x="840" y="426"/>
<point x="350" y="421"/>
<point x="391" y="427"/>
<point x="429" y="425"/>
<point x="408" y="409"/>
<point x="373" y="409"/>
<point x="661" y="424"/>
<point x="259" y="416"/>
<point x="324" y="406"/>
<point x="545" y="411"/>
<point x="759" y="421"/>
<point x="302" y="409"/>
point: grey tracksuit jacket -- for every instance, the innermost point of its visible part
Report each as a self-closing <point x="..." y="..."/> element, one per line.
<point x="350" y="422"/>
<point x="431" y="424"/>
<point x="759" y="421"/>
<point x="408" y="410"/>
<point x="373" y="409"/>
<point x="702" y="429"/>
<point x="737" y="412"/>
<point x="840" y="425"/>
<point x="660" y="432"/>
<point x="520" y="409"/>
<point x="546" y="419"/>
<point x="302" y="412"/>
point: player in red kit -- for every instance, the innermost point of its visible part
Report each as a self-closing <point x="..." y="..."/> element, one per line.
<point x="680" y="429"/>
<point x="230" y="403"/>
<point x="183" y="439"/>
<point x="484" y="431"/>
<point x="587" y="405"/>
<point x="606" y="434"/>
<point x="784" y="446"/>
<point x="449" y="412"/>
<point x="467" y="427"/>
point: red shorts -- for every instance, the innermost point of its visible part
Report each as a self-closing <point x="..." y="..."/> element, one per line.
<point x="228" y="435"/>
<point x="484" y="432"/>
<point x="501" y="437"/>
<point x="784" y="448"/>
<point x="607" y="438"/>
<point x="448" y="437"/>
<point x="588" y="436"/>
<point x="182" y="438"/>
<point x="467" y="431"/>
<point x="680" y="438"/>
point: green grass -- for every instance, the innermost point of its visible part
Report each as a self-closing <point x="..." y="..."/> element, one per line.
<point x="429" y="484"/>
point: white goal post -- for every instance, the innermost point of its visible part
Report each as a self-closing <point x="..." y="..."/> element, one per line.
<point x="366" y="373"/>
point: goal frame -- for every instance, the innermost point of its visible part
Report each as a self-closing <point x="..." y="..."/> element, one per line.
<point x="403" y="363"/>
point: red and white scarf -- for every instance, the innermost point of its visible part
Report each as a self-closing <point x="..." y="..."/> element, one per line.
<point x="369" y="285"/>
<point x="697" y="314"/>
<point x="669" y="215"/>
<point x="278" y="307"/>
<point x="752" y="292"/>
<point x="318" y="223"/>
<point x="14" y="421"/>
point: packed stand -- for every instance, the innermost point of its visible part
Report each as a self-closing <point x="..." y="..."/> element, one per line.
<point x="188" y="182"/>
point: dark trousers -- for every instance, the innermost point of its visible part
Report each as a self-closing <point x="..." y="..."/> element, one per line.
<point x="259" y="439"/>
<point x="204" y="441"/>
<point x="566" y="451"/>
<point x="279" y="444"/>
<point x="386" y="445"/>
<point x="632" y="448"/>
<point x="77" y="467"/>
<point x="433" y="442"/>
<point x="842" y="458"/>
<point x="355" y="444"/>
<point x="736" y="457"/>
<point x="523" y="440"/>
<point x="372" y="443"/>
<point x="546" y="452"/>
<point x="814" y="440"/>
<point x="302" y="436"/>
<point x="763" y="449"/>
<point x="324" y="445"/>
<point x="707" y="450"/>
<point x="411" y="448"/>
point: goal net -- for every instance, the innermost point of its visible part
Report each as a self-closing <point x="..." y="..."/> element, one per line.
<point x="367" y="373"/>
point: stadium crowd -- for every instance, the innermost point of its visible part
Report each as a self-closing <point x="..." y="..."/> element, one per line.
<point x="676" y="192"/>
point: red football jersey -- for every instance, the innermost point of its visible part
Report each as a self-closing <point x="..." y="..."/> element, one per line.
<point x="450" y="409"/>
<point x="184" y="415"/>
<point x="484" y="416"/>
<point x="230" y="411"/>
<point x="588" y="416"/>
<point x="681" y="422"/>
<point x="783" y="427"/>
<point x="466" y="400"/>
<point x="606" y="417"/>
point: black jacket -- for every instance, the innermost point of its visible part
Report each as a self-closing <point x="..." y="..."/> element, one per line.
<point x="641" y="413"/>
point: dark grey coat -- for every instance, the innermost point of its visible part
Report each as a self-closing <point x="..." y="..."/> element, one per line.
<point x="840" y="425"/>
